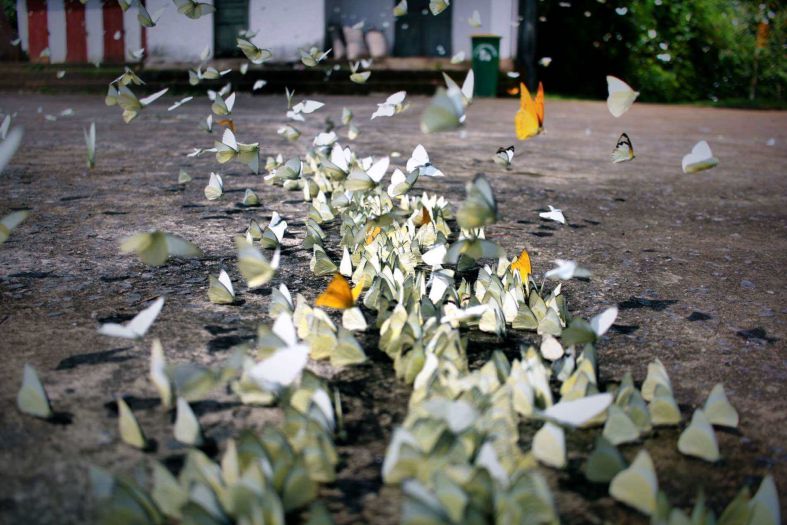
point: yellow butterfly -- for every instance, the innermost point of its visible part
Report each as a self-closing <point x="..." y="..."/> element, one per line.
<point x="372" y="233"/>
<point x="529" y="120"/>
<point x="522" y="265"/>
<point x="338" y="294"/>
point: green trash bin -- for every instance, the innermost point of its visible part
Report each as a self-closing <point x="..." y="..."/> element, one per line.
<point x="486" y="64"/>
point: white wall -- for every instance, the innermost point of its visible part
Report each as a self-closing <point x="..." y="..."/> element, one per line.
<point x="21" y="22"/>
<point x="56" y="24"/>
<point x="94" y="25"/>
<point x="497" y="17"/>
<point x="286" y="25"/>
<point x="176" y="37"/>
<point x="132" y="31"/>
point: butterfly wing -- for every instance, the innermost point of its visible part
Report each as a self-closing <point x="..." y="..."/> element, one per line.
<point x="338" y="294"/>
<point x="623" y="151"/>
<point x="144" y="319"/>
<point x="526" y="119"/>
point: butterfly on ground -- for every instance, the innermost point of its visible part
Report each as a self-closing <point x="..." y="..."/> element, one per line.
<point x="504" y="156"/>
<point x="624" y="150"/>
<point x="529" y="120"/>
<point x="700" y="158"/>
<point x="338" y="294"/>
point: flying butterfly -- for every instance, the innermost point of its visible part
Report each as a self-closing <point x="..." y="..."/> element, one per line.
<point x="419" y="161"/>
<point x="223" y="106"/>
<point x="393" y="104"/>
<point x="529" y="120"/>
<point x="445" y="112"/>
<point x="621" y="96"/>
<point x="90" y="141"/>
<point x="10" y="222"/>
<point x="179" y="103"/>
<point x="229" y="148"/>
<point x="624" y="151"/>
<point x="154" y="248"/>
<point x="138" y="326"/>
<point x="467" y="89"/>
<point x="480" y="207"/>
<point x="194" y="9"/>
<point x="131" y="105"/>
<point x="313" y="56"/>
<point x="9" y="146"/>
<point x="400" y="9"/>
<point x="253" y="265"/>
<point x="356" y="76"/>
<point x="256" y="55"/>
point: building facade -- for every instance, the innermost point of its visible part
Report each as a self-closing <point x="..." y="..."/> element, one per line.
<point x="99" y="31"/>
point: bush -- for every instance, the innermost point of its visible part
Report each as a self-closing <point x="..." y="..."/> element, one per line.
<point x="669" y="50"/>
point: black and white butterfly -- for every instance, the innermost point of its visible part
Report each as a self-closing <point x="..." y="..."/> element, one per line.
<point x="504" y="156"/>
<point x="623" y="151"/>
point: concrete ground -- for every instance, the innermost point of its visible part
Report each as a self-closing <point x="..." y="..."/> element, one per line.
<point x="695" y="262"/>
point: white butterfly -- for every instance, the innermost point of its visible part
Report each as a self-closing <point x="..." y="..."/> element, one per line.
<point x="435" y="256"/>
<point x="391" y="106"/>
<point x="475" y="19"/>
<point x="285" y="365"/>
<point x="577" y="412"/>
<point x="603" y="321"/>
<point x="566" y="270"/>
<point x="215" y="187"/>
<point x="138" y="326"/>
<point x="5" y="126"/>
<point x="420" y="160"/>
<point x="259" y="84"/>
<point x="9" y="146"/>
<point x="303" y="108"/>
<point x="467" y="87"/>
<point x="621" y="96"/>
<point x="553" y="214"/>
<point x="699" y="159"/>
<point x="504" y="156"/>
<point x="179" y="103"/>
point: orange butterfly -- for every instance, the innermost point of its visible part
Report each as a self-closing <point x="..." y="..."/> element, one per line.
<point x="529" y="120"/>
<point x="338" y="294"/>
<point x="227" y="123"/>
<point x="522" y="265"/>
<point x="372" y="232"/>
<point x="424" y="219"/>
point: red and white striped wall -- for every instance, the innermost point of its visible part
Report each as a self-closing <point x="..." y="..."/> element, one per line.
<point x="98" y="31"/>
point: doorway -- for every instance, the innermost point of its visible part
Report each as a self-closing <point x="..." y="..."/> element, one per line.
<point x="231" y="17"/>
<point x="421" y="34"/>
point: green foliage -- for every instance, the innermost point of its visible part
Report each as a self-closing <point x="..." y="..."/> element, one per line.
<point x="669" y="50"/>
<point x="9" y="10"/>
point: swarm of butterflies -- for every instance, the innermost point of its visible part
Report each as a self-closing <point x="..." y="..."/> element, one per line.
<point x="423" y="274"/>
